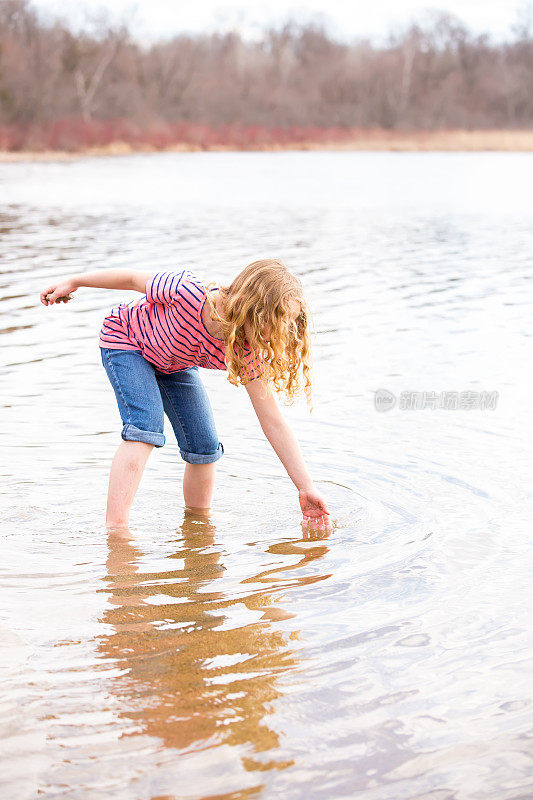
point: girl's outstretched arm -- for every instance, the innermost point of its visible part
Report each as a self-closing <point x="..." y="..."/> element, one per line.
<point x="279" y="434"/>
<point x="126" y="279"/>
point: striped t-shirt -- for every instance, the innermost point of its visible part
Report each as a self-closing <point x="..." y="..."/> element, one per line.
<point x="166" y="326"/>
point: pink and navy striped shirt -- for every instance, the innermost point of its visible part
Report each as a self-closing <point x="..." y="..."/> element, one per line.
<point x="166" y="325"/>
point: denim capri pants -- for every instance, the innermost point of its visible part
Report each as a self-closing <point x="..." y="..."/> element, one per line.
<point x="144" y="395"/>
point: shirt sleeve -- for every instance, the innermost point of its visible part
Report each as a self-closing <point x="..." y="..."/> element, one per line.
<point x="163" y="287"/>
<point x="250" y="370"/>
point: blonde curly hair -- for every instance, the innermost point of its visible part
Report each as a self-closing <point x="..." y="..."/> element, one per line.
<point x="261" y="294"/>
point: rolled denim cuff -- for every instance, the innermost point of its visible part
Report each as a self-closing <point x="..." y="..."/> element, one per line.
<point x="203" y="458"/>
<point x="133" y="434"/>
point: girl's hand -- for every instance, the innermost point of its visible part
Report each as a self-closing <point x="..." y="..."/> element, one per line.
<point x="315" y="514"/>
<point x="58" y="293"/>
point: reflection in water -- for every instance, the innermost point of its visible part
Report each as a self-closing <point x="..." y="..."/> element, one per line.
<point x="193" y="678"/>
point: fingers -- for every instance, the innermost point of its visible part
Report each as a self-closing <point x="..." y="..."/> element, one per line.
<point x="51" y="296"/>
<point x="316" y="527"/>
<point x="45" y="295"/>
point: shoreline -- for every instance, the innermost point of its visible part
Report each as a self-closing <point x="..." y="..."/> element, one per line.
<point x="378" y="141"/>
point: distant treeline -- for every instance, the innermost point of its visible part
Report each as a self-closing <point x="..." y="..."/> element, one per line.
<point x="65" y="90"/>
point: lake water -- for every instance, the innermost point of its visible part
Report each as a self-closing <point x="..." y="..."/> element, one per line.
<point x="228" y="658"/>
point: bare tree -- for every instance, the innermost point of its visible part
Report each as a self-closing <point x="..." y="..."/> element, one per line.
<point x="432" y="74"/>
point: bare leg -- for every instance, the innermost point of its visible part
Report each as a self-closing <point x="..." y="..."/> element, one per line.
<point x="126" y="472"/>
<point x="198" y="484"/>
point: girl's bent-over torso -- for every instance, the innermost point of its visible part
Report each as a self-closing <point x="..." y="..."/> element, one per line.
<point x="166" y="325"/>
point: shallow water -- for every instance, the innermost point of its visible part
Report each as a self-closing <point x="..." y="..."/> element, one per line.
<point x="229" y="658"/>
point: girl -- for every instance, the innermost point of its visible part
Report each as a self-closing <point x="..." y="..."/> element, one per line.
<point x="256" y="328"/>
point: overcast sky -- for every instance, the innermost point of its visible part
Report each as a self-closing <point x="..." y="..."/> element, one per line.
<point x="349" y="19"/>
